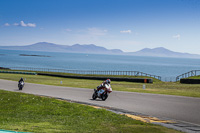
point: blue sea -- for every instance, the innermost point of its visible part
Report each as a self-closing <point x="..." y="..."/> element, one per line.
<point x="167" y="68"/>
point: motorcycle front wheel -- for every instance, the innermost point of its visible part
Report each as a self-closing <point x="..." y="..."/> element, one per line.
<point x="20" y="88"/>
<point x="94" y="96"/>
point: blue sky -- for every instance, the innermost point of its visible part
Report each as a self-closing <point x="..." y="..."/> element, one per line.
<point x="129" y="25"/>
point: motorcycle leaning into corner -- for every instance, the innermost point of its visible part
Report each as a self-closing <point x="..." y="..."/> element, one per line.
<point x="102" y="93"/>
<point x="21" y="84"/>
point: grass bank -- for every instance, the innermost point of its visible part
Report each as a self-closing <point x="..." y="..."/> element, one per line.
<point x="30" y="113"/>
<point x="158" y="87"/>
<point x="194" y="77"/>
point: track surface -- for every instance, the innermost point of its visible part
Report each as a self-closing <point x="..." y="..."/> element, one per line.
<point x="179" y="108"/>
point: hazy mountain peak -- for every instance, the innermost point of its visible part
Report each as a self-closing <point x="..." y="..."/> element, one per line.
<point x="145" y="49"/>
<point x="163" y="52"/>
<point x="76" y="45"/>
<point x="43" y="44"/>
<point x="161" y="49"/>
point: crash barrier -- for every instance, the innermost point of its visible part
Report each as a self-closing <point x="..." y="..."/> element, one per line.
<point x="138" y="80"/>
<point x="190" y="81"/>
<point x="18" y="72"/>
<point x="188" y="74"/>
<point x="91" y="72"/>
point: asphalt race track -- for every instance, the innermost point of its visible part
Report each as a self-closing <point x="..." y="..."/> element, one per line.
<point x="179" y="108"/>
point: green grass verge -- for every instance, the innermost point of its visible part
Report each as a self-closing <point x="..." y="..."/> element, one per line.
<point x="30" y="113"/>
<point x="194" y="77"/>
<point x="159" y="87"/>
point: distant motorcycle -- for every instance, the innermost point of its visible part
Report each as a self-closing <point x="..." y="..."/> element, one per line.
<point x="21" y="85"/>
<point x="102" y="93"/>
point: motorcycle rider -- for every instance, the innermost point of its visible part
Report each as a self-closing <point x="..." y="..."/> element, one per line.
<point x="102" y="85"/>
<point x="21" y="80"/>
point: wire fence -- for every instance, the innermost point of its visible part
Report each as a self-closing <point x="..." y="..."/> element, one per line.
<point x="96" y="72"/>
<point x="188" y="74"/>
<point x="91" y="72"/>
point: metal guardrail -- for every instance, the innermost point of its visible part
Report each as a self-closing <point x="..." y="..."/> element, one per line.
<point x="92" y="72"/>
<point x="188" y="74"/>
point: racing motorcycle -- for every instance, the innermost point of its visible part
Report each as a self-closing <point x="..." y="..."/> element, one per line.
<point x="102" y="93"/>
<point x="21" y="85"/>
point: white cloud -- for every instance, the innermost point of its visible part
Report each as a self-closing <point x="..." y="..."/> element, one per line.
<point x="24" y="24"/>
<point x="91" y="35"/>
<point x="97" y="31"/>
<point x="16" y="24"/>
<point x="6" y="24"/>
<point x="31" y="25"/>
<point x="178" y="36"/>
<point x="68" y="30"/>
<point x="126" y="31"/>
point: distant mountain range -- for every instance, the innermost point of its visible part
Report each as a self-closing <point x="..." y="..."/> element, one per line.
<point x="76" y="48"/>
<point x="163" y="52"/>
<point x="91" y="48"/>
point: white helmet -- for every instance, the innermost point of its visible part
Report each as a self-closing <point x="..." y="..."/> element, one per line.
<point x="108" y="81"/>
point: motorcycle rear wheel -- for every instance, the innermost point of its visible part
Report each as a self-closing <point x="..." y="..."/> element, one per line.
<point x="104" y="96"/>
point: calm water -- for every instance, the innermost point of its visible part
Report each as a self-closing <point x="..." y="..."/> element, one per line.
<point x="167" y="68"/>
